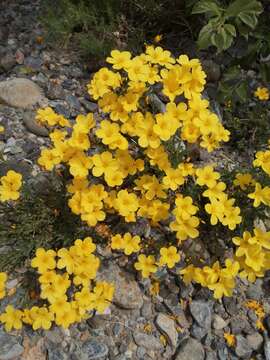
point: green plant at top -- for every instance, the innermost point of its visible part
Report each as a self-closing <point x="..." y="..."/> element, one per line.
<point x="95" y="27"/>
<point x="224" y="22"/>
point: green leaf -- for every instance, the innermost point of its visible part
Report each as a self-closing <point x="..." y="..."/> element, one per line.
<point x="204" y="39"/>
<point x="232" y="73"/>
<point x="222" y="39"/>
<point x="242" y="28"/>
<point x="229" y="28"/>
<point x="265" y="72"/>
<point x="250" y="20"/>
<point x="243" y="7"/>
<point x="242" y="91"/>
<point x="207" y="6"/>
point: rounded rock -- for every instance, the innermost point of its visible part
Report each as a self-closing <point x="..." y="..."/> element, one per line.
<point x="127" y="292"/>
<point x="20" y="92"/>
<point x="190" y="349"/>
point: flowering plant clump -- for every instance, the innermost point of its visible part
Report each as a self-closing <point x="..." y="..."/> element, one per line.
<point x="67" y="286"/>
<point x="120" y="165"/>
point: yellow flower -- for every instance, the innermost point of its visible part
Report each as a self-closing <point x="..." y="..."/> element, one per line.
<point x="119" y="59"/>
<point x="262" y="93"/>
<point x="215" y="208"/>
<point x="188" y="273"/>
<point x="184" y="207"/>
<point x="207" y="176"/>
<point x="263" y="160"/>
<point x="129" y="101"/>
<point x="158" y="38"/>
<point x="49" y="158"/>
<point x="44" y="260"/>
<point x="185" y="228"/>
<point x="126" y="204"/>
<point x="145" y="132"/>
<point x="47" y="277"/>
<point x="117" y="242"/>
<point x="85" y="299"/>
<point x="103" y="293"/>
<point x="154" y="288"/>
<point x="66" y="260"/>
<point x="66" y="318"/>
<point x="260" y="195"/>
<point x="47" y="115"/>
<point x="230" y="339"/>
<point x="174" y="178"/>
<point x="259" y="325"/>
<point x="169" y="256"/>
<point x="110" y="135"/>
<point x="2" y="129"/>
<point x="216" y="192"/>
<point x="85" y="246"/>
<point x="10" y="185"/>
<point x="261" y="237"/>
<point x="42" y="318"/>
<point x="131" y="244"/>
<point x="150" y="187"/>
<point x="12" y="318"/>
<point x="146" y="264"/>
<point x="156" y="55"/>
<point x="80" y="164"/>
<point x="103" y="164"/>
<point x="60" y="305"/>
<point x="243" y="181"/>
<point x="165" y="126"/>
<point x="171" y="80"/>
<point x="137" y="70"/>
<point x="231" y="217"/>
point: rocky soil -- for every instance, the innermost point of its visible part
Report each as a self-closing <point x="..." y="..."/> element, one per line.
<point x="181" y="323"/>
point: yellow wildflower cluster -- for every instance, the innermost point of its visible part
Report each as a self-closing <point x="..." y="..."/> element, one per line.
<point x="128" y="243"/>
<point x="251" y="260"/>
<point x="148" y="265"/>
<point x="66" y="283"/>
<point x="10" y="185"/>
<point x="221" y="207"/>
<point x="48" y="116"/>
<point x="253" y="253"/>
<point x="260" y="195"/>
<point x="121" y="164"/>
<point x="262" y="93"/>
<point x="122" y="94"/>
<point x="120" y="91"/>
<point x="218" y="279"/>
<point x="185" y="223"/>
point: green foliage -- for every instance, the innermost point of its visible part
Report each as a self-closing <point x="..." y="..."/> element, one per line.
<point x="249" y="127"/>
<point x="224" y="22"/>
<point x="234" y="86"/>
<point x="35" y="221"/>
<point x="96" y="26"/>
